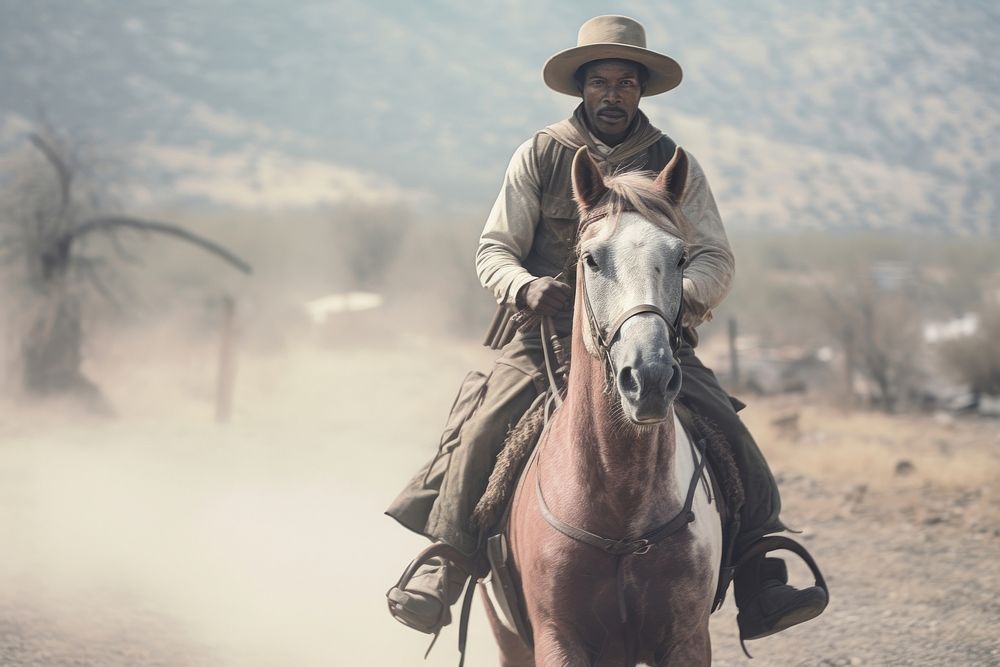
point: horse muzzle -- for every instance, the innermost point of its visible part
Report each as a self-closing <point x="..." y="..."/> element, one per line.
<point x="648" y="391"/>
<point x="646" y="374"/>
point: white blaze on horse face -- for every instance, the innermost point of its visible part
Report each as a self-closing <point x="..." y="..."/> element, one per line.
<point x="637" y="262"/>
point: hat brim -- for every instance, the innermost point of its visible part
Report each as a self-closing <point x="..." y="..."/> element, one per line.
<point x="664" y="72"/>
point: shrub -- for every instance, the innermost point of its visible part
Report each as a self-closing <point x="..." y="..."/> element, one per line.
<point x="975" y="360"/>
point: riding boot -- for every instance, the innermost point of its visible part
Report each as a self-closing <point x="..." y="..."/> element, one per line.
<point x="767" y="604"/>
<point x="425" y="603"/>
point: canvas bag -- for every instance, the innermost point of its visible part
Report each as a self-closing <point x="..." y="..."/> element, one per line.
<point x="470" y="395"/>
<point x="413" y="505"/>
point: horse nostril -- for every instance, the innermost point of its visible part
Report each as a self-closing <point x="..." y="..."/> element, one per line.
<point x="627" y="380"/>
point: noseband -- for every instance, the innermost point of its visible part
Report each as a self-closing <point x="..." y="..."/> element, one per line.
<point x="603" y="337"/>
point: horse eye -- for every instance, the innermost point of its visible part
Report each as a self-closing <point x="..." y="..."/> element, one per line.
<point x="591" y="262"/>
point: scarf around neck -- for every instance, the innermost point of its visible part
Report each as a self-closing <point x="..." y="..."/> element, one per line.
<point x="573" y="133"/>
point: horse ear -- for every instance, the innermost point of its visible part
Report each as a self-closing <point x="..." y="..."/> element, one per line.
<point x="674" y="176"/>
<point x="588" y="181"/>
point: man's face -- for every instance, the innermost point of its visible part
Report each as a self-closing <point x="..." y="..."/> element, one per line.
<point x="611" y="95"/>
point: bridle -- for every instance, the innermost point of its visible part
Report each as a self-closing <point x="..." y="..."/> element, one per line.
<point x="603" y="337"/>
<point x="620" y="548"/>
<point x="625" y="547"/>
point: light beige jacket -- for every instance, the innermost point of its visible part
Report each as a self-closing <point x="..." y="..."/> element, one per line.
<point x="536" y="192"/>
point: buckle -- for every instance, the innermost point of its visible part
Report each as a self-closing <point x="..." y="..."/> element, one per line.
<point x="629" y="547"/>
<point x="642" y="547"/>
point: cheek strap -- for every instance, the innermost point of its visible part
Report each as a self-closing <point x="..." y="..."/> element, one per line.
<point x="603" y="337"/>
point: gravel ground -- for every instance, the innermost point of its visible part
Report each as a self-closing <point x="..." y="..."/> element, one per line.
<point x="161" y="539"/>
<point x="906" y="587"/>
<point x="91" y="630"/>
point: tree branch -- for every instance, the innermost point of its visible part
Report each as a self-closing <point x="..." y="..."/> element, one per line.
<point x="109" y="222"/>
<point x="62" y="169"/>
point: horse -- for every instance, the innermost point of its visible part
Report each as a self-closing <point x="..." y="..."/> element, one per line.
<point x="614" y="538"/>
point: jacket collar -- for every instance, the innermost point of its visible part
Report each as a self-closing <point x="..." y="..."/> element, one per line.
<point x="573" y="133"/>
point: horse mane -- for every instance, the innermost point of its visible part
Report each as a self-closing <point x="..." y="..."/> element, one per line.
<point x="638" y="192"/>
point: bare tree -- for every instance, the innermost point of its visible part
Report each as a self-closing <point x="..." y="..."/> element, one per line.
<point x="47" y="218"/>
<point x="880" y="332"/>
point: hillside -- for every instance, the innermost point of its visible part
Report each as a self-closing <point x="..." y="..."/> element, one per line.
<point x="826" y="116"/>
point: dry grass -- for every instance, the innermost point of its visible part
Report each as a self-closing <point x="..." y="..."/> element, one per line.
<point x="864" y="447"/>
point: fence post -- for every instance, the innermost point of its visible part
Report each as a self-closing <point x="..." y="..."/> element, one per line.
<point x="849" y="361"/>
<point x="226" y="379"/>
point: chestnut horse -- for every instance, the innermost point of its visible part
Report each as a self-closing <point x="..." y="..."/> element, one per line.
<point x="615" y="539"/>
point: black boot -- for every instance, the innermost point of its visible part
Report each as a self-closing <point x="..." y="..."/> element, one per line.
<point x="767" y="603"/>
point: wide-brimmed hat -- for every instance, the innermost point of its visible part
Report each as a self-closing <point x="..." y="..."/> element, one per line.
<point x="616" y="37"/>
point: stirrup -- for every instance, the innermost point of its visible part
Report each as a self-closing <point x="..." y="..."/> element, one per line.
<point x="805" y="612"/>
<point x="469" y="565"/>
<point x="766" y="545"/>
<point x="438" y="550"/>
<point x="396" y="605"/>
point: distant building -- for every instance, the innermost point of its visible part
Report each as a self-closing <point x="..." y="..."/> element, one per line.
<point x="959" y="327"/>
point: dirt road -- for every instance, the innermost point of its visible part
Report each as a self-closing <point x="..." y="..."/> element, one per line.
<point x="161" y="538"/>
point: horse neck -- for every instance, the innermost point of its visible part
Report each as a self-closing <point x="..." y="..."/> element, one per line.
<point x="604" y="448"/>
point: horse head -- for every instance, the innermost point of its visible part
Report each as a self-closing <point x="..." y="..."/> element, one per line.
<point x="630" y="271"/>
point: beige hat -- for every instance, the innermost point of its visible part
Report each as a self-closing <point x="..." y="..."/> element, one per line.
<point x="611" y="37"/>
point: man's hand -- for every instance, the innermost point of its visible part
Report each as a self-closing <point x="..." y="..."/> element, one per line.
<point x="547" y="296"/>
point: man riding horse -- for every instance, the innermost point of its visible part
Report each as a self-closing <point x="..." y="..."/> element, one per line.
<point x="525" y="255"/>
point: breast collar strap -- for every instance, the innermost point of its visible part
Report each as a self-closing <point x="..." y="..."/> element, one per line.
<point x="627" y="547"/>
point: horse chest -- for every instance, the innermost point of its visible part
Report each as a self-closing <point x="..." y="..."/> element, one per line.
<point x="576" y="598"/>
<point x="580" y="579"/>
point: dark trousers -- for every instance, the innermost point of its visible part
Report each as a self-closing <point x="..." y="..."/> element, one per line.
<point x="440" y="499"/>
<point x="702" y="394"/>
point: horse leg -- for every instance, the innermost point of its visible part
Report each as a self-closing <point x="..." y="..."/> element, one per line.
<point x="552" y="651"/>
<point x="513" y="652"/>
<point x="695" y="650"/>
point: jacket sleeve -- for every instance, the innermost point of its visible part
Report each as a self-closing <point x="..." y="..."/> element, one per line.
<point x="709" y="272"/>
<point x="510" y="228"/>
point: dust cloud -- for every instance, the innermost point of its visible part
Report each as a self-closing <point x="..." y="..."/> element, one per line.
<point x="158" y="536"/>
<point x="259" y="542"/>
